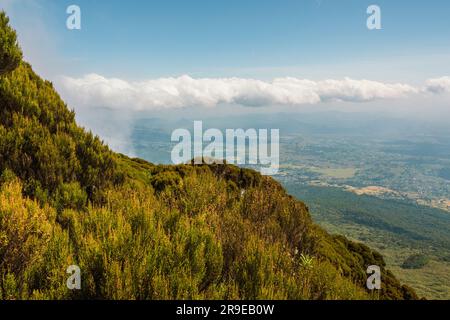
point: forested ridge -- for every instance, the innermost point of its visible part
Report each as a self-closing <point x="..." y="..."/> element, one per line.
<point x="144" y="231"/>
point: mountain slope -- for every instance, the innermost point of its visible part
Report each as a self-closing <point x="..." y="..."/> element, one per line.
<point x="142" y="231"/>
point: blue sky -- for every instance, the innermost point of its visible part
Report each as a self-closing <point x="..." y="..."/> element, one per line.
<point x="199" y="58"/>
<point x="138" y="39"/>
<point x="138" y="55"/>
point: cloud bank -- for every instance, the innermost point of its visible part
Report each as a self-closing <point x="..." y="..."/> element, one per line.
<point x="183" y="92"/>
<point x="440" y="85"/>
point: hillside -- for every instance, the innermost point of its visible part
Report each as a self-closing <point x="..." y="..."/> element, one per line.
<point x="398" y="237"/>
<point x="144" y="231"/>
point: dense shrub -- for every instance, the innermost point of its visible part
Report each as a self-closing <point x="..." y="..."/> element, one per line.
<point x="25" y="231"/>
<point x="10" y="53"/>
<point x="41" y="143"/>
<point x="136" y="247"/>
<point x="416" y="261"/>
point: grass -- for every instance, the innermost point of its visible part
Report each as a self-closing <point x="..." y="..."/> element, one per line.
<point x="432" y="281"/>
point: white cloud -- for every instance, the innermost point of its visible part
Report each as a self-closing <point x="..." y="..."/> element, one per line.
<point x="182" y="92"/>
<point x="439" y="85"/>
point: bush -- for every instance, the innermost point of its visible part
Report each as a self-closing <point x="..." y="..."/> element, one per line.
<point x="10" y="53"/>
<point x="7" y="177"/>
<point x="25" y="229"/>
<point x="166" y="180"/>
<point x="70" y="196"/>
<point x="416" y="261"/>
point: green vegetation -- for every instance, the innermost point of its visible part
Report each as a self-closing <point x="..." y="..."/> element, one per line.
<point x="397" y="228"/>
<point x="416" y="261"/>
<point x="140" y="231"/>
<point x="10" y="53"/>
<point x="41" y="143"/>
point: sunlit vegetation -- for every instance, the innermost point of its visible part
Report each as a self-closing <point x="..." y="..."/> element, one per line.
<point x="10" y="53"/>
<point x="398" y="229"/>
<point x="141" y="231"/>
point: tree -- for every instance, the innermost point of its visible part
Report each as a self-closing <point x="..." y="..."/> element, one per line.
<point x="10" y="52"/>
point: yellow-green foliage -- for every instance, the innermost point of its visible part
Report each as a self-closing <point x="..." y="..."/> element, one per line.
<point x="143" y="246"/>
<point x="41" y="143"/>
<point x="24" y="228"/>
<point x="10" y="53"/>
